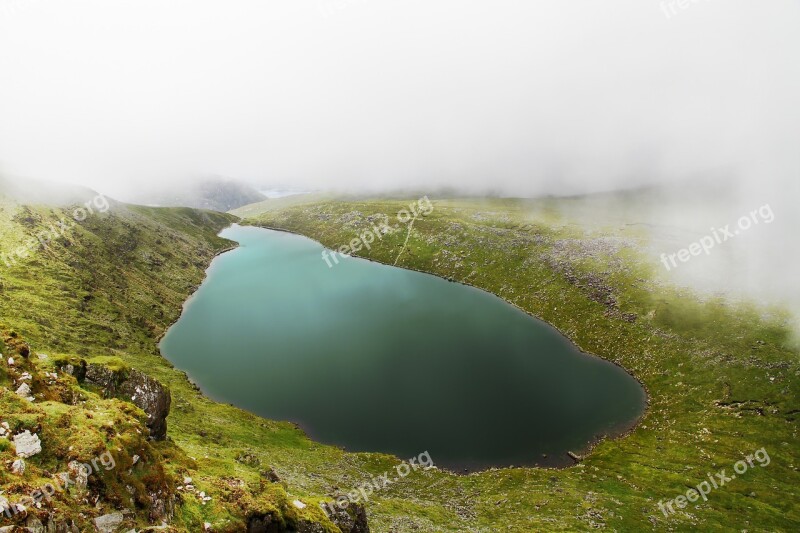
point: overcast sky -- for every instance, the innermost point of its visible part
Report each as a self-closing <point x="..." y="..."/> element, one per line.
<point x="521" y="97"/>
<point x="517" y="97"/>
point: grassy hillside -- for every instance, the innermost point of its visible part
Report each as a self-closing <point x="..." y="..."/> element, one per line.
<point x="276" y="204"/>
<point x="723" y="380"/>
<point x="106" y="290"/>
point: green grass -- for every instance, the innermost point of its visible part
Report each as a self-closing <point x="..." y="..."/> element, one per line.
<point x="106" y="292"/>
<point x="722" y="379"/>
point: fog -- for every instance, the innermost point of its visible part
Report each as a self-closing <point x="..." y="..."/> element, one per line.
<point x="519" y="98"/>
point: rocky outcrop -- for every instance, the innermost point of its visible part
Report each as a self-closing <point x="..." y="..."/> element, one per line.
<point x="152" y="398"/>
<point x="265" y="523"/>
<point x="50" y="523"/>
<point x="77" y="369"/>
<point x="350" y="520"/>
<point x="306" y="526"/>
<point x="162" y="505"/>
<point x="130" y="385"/>
<point x="138" y="388"/>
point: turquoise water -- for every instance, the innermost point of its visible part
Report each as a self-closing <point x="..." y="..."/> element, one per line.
<point x="376" y="358"/>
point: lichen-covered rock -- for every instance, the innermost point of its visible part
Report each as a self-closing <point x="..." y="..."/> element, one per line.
<point x="152" y="398"/>
<point x="127" y="384"/>
<point x="310" y="527"/>
<point x="107" y="379"/>
<point x="162" y="506"/>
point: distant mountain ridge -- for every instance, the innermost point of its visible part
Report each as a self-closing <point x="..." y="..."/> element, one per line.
<point x="42" y="192"/>
<point x="214" y="193"/>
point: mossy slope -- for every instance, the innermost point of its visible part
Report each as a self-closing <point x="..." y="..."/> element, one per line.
<point x="106" y="290"/>
<point x="723" y="379"/>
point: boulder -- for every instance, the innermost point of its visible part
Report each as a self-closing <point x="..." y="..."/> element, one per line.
<point x="24" y="390"/>
<point x="27" y="445"/>
<point x="108" y="523"/>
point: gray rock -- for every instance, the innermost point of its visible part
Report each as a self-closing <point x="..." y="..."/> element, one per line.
<point x="310" y="527"/>
<point x="271" y="475"/>
<point x="18" y="467"/>
<point x="108" y="523"/>
<point x="143" y="391"/>
<point x="350" y="520"/>
<point x="34" y="525"/>
<point x="162" y="506"/>
<point x="59" y="525"/>
<point x="27" y="445"/>
<point x="78" y="475"/>
<point x="152" y="398"/>
<point x="75" y="368"/>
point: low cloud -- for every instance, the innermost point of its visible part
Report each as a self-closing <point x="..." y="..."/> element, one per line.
<point x="511" y="97"/>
